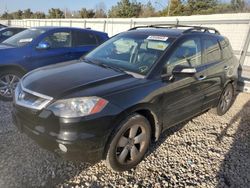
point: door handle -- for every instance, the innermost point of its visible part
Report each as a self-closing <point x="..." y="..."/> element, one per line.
<point x="69" y="54"/>
<point x="26" y="57"/>
<point x="226" y="67"/>
<point x="202" y="77"/>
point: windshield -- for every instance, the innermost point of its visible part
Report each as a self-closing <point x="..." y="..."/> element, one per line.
<point x="24" y="37"/>
<point x="131" y="52"/>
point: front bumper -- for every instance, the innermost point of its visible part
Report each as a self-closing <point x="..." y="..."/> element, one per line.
<point x="81" y="139"/>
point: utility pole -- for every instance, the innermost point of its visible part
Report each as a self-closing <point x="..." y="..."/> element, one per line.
<point x="169" y="5"/>
<point x="6" y="9"/>
<point x="65" y="12"/>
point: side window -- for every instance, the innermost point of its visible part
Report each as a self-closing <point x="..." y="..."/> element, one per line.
<point x="188" y="53"/>
<point x="212" y="50"/>
<point x="84" y="38"/>
<point x="8" y="33"/>
<point x="18" y="30"/>
<point x="59" y="40"/>
<point x="100" y="40"/>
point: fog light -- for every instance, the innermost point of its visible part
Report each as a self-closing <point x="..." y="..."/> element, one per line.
<point x="62" y="147"/>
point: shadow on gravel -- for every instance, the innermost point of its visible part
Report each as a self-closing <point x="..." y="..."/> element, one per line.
<point x="24" y="164"/>
<point x="235" y="169"/>
<point x="165" y="135"/>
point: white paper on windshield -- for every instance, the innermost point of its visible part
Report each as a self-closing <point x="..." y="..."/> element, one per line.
<point x="25" y="40"/>
<point x="157" y="45"/>
<point x="160" y="38"/>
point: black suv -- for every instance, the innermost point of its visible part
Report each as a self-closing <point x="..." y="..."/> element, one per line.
<point x="121" y="96"/>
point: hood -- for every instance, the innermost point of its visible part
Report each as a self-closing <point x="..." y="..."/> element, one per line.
<point x="71" y="77"/>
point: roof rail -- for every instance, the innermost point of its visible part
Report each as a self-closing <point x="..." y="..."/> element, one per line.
<point x="204" y="29"/>
<point x="147" y="26"/>
<point x="192" y="28"/>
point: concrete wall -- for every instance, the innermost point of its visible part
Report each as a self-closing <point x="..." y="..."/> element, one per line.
<point x="234" y="26"/>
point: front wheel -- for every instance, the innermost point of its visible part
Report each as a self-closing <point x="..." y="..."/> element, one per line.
<point x="8" y="82"/>
<point x="226" y="100"/>
<point x="129" y="144"/>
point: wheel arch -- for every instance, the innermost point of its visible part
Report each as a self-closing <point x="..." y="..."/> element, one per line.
<point x="13" y="67"/>
<point x="148" y="111"/>
<point x="143" y="110"/>
<point x="231" y="81"/>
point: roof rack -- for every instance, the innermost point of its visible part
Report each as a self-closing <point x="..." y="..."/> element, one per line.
<point x="192" y="28"/>
<point x="204" y="29"/>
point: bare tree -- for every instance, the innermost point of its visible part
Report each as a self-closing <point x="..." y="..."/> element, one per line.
<point x="100" y="10"/>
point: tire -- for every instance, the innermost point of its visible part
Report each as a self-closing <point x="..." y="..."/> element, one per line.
<point x="226" y="100"/>
<point x="8" y="82"/>
<point x="129" y="143"/>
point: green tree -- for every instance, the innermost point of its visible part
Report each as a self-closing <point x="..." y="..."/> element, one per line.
<point x="17" y="15"/>
<point x="201" y="6"/>
<point x="85" y="13"/>
<point x="238" y="5"/>
<point x="148" y="10"/>
<point x="100" y="10"/>
<point x="6" y="16"/>
<point x="27" y="14"/>
<point x="39" y="15"/>
<point x="126" y="9"/>
<point x="176" y="8"/>
<point x="56" y="13"/>
<point x="223" y="8"/>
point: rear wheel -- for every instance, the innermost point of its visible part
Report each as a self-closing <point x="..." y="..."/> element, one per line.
<point x="129" y="143"/>
<point x="226" y="100"/>
<point x="8" y="82"/>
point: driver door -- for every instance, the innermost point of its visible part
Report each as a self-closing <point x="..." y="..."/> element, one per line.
<point x="60" y="46"/>
<point x="182" y="97"/>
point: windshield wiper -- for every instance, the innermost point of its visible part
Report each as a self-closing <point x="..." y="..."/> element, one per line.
<point x="104" y="65"/>
<point x="114" y="68"/>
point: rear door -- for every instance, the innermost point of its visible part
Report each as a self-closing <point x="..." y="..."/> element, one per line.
<point x="182" y="96"/>
<point x="216" y="70"/>
<point x="60" y="48"/>
<point x="83" y="42"/>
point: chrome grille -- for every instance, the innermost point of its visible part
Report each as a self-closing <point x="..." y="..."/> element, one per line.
<point x="30" y="99"/>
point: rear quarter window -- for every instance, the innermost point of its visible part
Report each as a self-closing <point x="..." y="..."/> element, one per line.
<point x="227" y="51"/>
<point x="82" y="38"/>
<point x="100" y="39"/>
<point x="212" y="50"/>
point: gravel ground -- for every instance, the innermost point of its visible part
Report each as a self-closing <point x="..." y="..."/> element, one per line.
<point x="208" y="151"/>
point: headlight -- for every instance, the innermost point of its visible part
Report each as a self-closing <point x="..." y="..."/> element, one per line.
<point x="78" y="107"/>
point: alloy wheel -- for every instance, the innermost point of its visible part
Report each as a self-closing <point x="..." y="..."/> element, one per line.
<point x="131" y="144"/>
<point x="226" y="99"/>
<point x="8" y="84"/>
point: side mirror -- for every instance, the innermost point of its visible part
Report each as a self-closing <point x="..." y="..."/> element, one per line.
<point x="184" y="70"/>
<point x="43" y="46"/>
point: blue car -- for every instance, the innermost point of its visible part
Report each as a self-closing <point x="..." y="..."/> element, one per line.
<point x="41" y="46"/>
<point x="7" y="32"/>
<point x="2" y="26"/>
